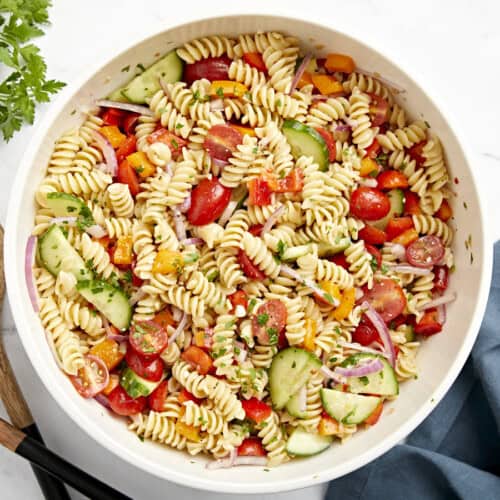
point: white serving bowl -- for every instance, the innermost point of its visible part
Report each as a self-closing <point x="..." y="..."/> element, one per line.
<point x="440" y="358"/>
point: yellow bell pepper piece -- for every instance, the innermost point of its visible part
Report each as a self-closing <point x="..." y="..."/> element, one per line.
<point x="109" y="352"/>
<point x="339" y="62"/>
<point x="141" y="164"/>
<point x="199" y="338"/>
<point x="326" y="84"/>
<point x="227" y="88"/>
<point x="114" y="381"/>
<point x="122" y="254"/>
<point x="332" y="289"/>
<point x="168" y="262"/>
<point x="190" y="432"/>
<point x="113" y="135"/>
<point x="368" y="165"/>
<point x="243" y="130"/>
<point x="310" y="328"/>
<point x="346" y="304"/>
<point x="328" y="426"/>
<point x="406" y="237"/>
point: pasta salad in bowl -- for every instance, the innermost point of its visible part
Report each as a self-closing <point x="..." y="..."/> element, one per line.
<point x="240" y="249"/>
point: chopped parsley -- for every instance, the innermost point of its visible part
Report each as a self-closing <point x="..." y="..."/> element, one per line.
<point x="220" y="92"/>
<point x="262" y="319"/>
<point x="125" y="68"/>
<point x="273" y="335"/>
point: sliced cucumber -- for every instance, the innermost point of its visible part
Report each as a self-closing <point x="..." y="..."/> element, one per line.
<point x="109" y="300"/>
<point x="169" y="69"/>
<point x="56" y="254"/>
<point x="397" y="199"/>
<point x="293" y="253"/>
<point x="328" y="250"/>
<point x="117" y="95"/>
<point x="305" y="141"/>
<point x="304" y="444"/>
<point x="348" y="408"/>
<point x="135" y="385"/>
<point x="382" y="383"/>
<point x="67" y="205"/>
<point x="290" y="370"/>
<point x="293" y="406"/>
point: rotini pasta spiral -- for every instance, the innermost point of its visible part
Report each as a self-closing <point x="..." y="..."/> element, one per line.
<point x="227" y="402"/>
<point x="260" y="255"/>
<point x="207" y="420"/>
<point x="273" y="440"/>
<point x="121" y="200"/>
<point x="362" y="134"/>
<point x="403" y="138"/>
<point x="425" y="224"/>
<point x="202" y="48"/>
<point x="157" y="427"/>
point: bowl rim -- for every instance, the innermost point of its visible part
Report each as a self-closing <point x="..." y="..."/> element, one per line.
<point x="203" y="482"/>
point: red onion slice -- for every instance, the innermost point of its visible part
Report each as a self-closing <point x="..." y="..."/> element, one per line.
<point x="225" y="463"/>
<point x="177" y="313"/>
<point x="125" y="106"/>
<point x="292" y="273"/>
<point x="331" y="374"/>
<point x="29" y="262"/>
<point x="180" y="226"/>
<point x="185" y="205"/>
<point x="228" y="211"/>
<point x="440" y="301"/>
<point x="358" y="347"/>
<point x="300" y="72"/>
<point x="137" y="296"/>
<point x="373" y="366"/>
<point x="217" y="105"/>
<point x="342" y="128"/>
<point x="179" y="329"/>
<point x="96" y="231"/>
<point x="273" y="219"/>
<point x="352" y="123"/>
<point x="169" y="168"/>
<point x="376" y="76"/>
<point x="103" y="400"/>
<point x="441" y="314"/>
<point x="192" y="241"/>
<point x="219" y="163"/>
<point x="110" y="333"/>
<point x="368" y="182"/>
<point x="407" y="269"/>
<point x="208" y="337"/>
<point x="398" y="250"/>
<point x="382" y="330"/>
<point x="70" y="221"/>
<point x="107" y="151"/>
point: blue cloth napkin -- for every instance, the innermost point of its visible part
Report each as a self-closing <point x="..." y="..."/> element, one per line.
<point x="455" y="452"/>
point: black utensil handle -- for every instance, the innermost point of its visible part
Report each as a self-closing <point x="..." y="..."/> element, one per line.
<point x="37" y="454"/>
<point x="51" y="487"/>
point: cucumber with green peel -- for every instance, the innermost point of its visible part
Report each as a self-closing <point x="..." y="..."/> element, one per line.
<point x="329" y="250"/>
<point x="305" y="141"/>
<point x="348" y="408"/>
<point x="304" y="444"/>
<point x="68" y="205"/>
<point x="290" y="369"/>
<point x="293" y="407"/>
<point x="382" y="383"/>
<point x="108" y="300"/>
<point x="145" y="85"/>
<point x="56" y="254"/>
<point x="137" y="386"/>
<point x="397" y="200"/>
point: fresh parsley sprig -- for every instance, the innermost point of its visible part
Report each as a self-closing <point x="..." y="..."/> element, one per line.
<point x="26" y="85"/>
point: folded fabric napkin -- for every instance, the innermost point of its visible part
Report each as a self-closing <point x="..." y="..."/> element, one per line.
<point x="455" y="452"/>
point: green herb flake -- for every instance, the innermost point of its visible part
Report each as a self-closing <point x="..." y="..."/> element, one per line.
<point x="125" y="68"/>
<point x="251" y="304"/>
<point x="262" y="319"/>
<point x="140" y="68"/>
<point x="329" y="298"/>
<point x="427" y="124"/>
<point x="364" y="380"/>
<point x="220" y="92"/>
<point x="141" y="438"/>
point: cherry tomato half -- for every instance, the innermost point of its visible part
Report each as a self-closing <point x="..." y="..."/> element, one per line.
<point x="392" y="179"/>
<point x="150" y="370"/>
<point x="174" y="142"/>
<point x="372" y="235"/>
<point x="238" y="298"/>
<point x="379" y="109"/>
<point x="156" y="400"/>
<point x="127" y="148"/>
<point x="412" y="204"/>
<point x="185" y="395"/>
<point x="164" y="318"/>
<point x="375" y="253"/>
<point x="427" y="251"/>
<point x="340" y="259"/>
<point x="148" y="339"/>
<point x="255" y="60"/>
<point x="365" y="334"/>
<point x="248" y="267"/>
<point x="251" y="447"/>
<point x="387" y="298"/>
<point x="256" y="410"/>
<point x="269" y="322"/>
<point x="221" y="142"/>
<point x="373" y="149"/>
<point x="416" y="152"/>
<point x="92" y="378"/>
<point x="397" y="226"/>
<point x="256" y="229"/>
<point x="369" y="203"/>
<point x="211" y="68"/>
<point x="127" y="175"/>
<point x="429" y="324"/>
<point x="208" y="200"/>
<point x="198" y="359"/>
<point x="123" y="404"/>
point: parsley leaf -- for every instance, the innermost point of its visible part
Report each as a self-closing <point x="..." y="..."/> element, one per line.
<point x="26" y="84"/>
<point x="262" y="319"/>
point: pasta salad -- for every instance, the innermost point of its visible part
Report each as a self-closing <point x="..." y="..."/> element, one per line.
<point x="241" y="250"/>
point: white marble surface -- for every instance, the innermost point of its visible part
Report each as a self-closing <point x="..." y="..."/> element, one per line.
<point x="451" y="45"/>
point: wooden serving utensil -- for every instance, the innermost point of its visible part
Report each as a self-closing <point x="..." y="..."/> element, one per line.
<point x="24" y="439"/>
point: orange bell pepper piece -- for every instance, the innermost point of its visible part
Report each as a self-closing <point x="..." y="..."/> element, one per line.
<point x="310" y="328"/>
<point x="326" y="84"/>
<point x="243" y="130"/>
<point x="167" y="262"/>
<point x="141" y="164"/>
<point x="227" y="88"/>
<point x="190" y="432"/>
<point x="328" y="426"/>
<point x="109" y="352"/>
<point x="122" y="254"/>
<point x="444" y="211"/>
<point x="368" y="167"/>
<point x="164" y="318"/>
<point x="114" y="380"/>
<point x="113" y="135"/>
<point x="346" y="304"/>
<point x="305" y="79"/>
<point x="406" y="237"/>
<point x="339" y="62"/>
